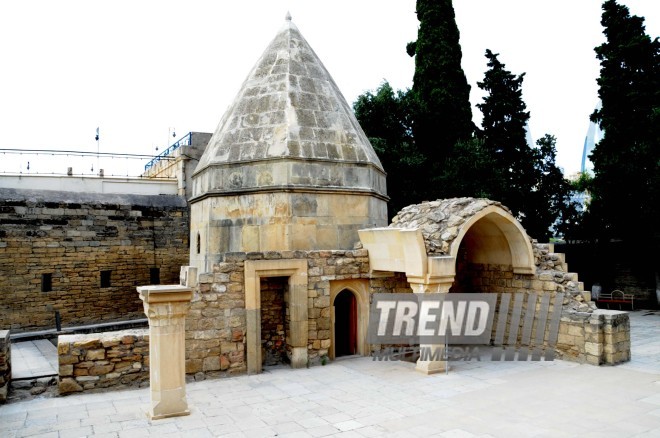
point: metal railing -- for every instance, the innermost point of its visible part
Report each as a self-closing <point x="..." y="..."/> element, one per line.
<point x="186" y="140"/>
<point x="72" y="163"/>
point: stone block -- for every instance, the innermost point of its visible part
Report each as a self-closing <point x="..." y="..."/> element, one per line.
<point x="68" y="385"/>
<point x="99" y="370"/>
<point x="68" y="359"/>
<point x="193" y="366"/>
<point x="98" y="354"/>
<point x="211" y="363"/>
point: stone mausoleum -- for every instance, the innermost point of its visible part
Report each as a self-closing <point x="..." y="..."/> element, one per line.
<point x="288" y="240"/>
<point x="289" y="235"/>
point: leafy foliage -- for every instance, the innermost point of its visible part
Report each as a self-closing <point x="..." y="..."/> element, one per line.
<point x="386" y="118"/>
<point x="426" y="139"/>
<point x="440" y="92"/>
<point x="626" y="183"/>
<point x="525" y="179"/>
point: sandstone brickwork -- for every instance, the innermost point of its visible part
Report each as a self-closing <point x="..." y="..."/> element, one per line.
<point x="55" y="245"/>
<point x="101" y="360"/>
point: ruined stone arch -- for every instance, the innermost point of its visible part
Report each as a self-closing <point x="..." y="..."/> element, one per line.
<point x="360" y="290"/>
<point x="493" y="236"/>
<point x="423" y="241"/>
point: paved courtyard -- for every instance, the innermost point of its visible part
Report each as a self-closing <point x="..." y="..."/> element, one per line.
<point x="358" y="397"/>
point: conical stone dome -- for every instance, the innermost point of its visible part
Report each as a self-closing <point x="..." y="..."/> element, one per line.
<point x="288" y="167"/>
<point x="291" y="126"/>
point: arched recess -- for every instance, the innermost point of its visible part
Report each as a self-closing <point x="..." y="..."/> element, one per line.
<point x="360" y="289"/>
<point x="493" y="236"/>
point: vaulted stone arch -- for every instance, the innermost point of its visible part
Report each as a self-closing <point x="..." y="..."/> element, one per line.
<point x="424" y="240"/>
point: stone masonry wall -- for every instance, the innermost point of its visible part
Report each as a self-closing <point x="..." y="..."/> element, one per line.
<point x="62" y="241"/>
<point x="586" y="335"/>
<point x="5" y="364"/>
<point x="216" y="324"/>
<point x="101" y="360"/>
<point x="602" y="337"/>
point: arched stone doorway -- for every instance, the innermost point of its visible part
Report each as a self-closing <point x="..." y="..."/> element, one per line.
<point x="345" y="326"/>
<point x="349" y="307"/>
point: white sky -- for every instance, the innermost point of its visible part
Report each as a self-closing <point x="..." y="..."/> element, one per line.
<point x="137" y="69"/>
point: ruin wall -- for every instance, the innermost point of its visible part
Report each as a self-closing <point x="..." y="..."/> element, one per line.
<point x="101" y="360"/>
<point x="83" y="254"/>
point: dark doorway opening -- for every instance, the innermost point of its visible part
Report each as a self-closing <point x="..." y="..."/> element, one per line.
<point x="345" y="324"/>
<point x="274" y="320"/>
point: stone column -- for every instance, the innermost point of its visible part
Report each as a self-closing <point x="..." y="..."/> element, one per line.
<point x="433" y="365"/>
<point x="166" y="308"/>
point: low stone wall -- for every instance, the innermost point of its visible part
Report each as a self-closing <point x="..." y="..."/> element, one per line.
<point x="599" y="338"/>
<point x="100" y="360"/>
<point x="5" y="364"/>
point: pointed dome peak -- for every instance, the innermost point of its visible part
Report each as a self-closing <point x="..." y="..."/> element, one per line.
<point x="289" y="110"/>
<point x="288" y="16"/>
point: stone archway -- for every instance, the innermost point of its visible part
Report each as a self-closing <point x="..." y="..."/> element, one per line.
<point x="359" y="289"/>
<point x="424" y="240"/>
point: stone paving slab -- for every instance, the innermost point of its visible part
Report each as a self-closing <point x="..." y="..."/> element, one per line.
<point x="363" y="398"/>
<point x="33" y="359"/>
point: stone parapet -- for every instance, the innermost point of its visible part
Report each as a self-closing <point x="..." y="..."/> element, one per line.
<point x="5" y="364"/>
<point x="102" y="360"/>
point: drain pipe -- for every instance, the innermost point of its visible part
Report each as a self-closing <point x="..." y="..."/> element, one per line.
<point x="58" y="320"/>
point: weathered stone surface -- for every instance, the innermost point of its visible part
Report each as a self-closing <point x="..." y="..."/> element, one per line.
<point x="107" y="366"/>
<point x="68" y="385"/>
<point x="81" y="235"/>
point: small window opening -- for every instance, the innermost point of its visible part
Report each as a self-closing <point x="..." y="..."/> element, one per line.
<point x="154" y="275"/>
<point x="46" y="282"/>
<point x="199" y="244"/>
<point x="105" y="278"/>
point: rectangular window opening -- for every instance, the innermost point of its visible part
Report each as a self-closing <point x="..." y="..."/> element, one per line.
<point x="46" y="282"/>
<point x="105" y="278"/>
<point x="154" y="275"/>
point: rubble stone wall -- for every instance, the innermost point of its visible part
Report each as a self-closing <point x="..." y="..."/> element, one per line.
<point x="55" y="245"/>
<point x="216" y="324"/>
<point x="102" y="360"/>
<point x="600" y="338"/>
<point x="5" y="364"/>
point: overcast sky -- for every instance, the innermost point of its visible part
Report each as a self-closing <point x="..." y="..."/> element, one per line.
<point x="139" y="69"/>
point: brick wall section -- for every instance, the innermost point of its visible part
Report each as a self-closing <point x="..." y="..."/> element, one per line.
<point x="101" y="360"/>
<point x="75" y="236"/>
<point x="5" y="364"/>
<point x="600" y="338"/>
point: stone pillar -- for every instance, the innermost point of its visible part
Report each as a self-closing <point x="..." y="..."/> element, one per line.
<point x="433" y="365"/>
<point x="166" y="308"/>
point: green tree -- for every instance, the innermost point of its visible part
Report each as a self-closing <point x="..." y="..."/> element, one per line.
<point x="505" y="138"/>
<point x="440" y="92"/>
<point x="626" y="187"/>
<point x="626" y="161"/>
<point x="386" y="118"/>
<point x="549" y="210"/>
<point x="526" y="179"/>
